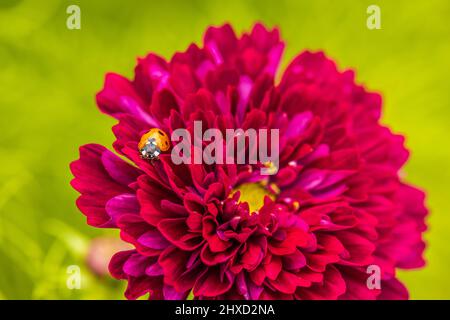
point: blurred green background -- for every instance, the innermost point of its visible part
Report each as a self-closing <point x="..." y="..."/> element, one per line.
<point x="49" y="76"/>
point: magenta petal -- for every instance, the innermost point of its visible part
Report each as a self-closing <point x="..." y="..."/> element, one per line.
<point x="119" y="170"/>
<point x="118" y="97"/>
<point x="120" y="205"/>
<point x="95" y="184"/>
<point x="135" y="265"/>
<point x="117" y="262"/>
<point x="154" y="270"/>
<point x="153" y="239"/>
<point x="175" y="230"/>
<point x="210" y="283"/>
<point x="298" y="124"/>
<point x="171" y="294"/>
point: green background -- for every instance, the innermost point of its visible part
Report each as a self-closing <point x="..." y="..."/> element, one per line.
<point x="49" y="76"/>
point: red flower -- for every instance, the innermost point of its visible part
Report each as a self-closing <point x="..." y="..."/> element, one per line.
<point x="336" y="206"/>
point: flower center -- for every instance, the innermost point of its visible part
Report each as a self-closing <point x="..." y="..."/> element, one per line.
<point x="253" y="193"/>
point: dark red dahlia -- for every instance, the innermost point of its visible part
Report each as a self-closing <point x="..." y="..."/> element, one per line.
<point x="335" y="207"/>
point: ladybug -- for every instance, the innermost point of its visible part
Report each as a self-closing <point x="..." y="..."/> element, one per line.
<point x="153" y="143"/>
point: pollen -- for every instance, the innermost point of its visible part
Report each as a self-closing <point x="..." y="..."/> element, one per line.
<point x="272" y="168"/>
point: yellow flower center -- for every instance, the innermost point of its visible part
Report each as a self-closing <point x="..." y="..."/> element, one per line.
<point x="253" y="193"/>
